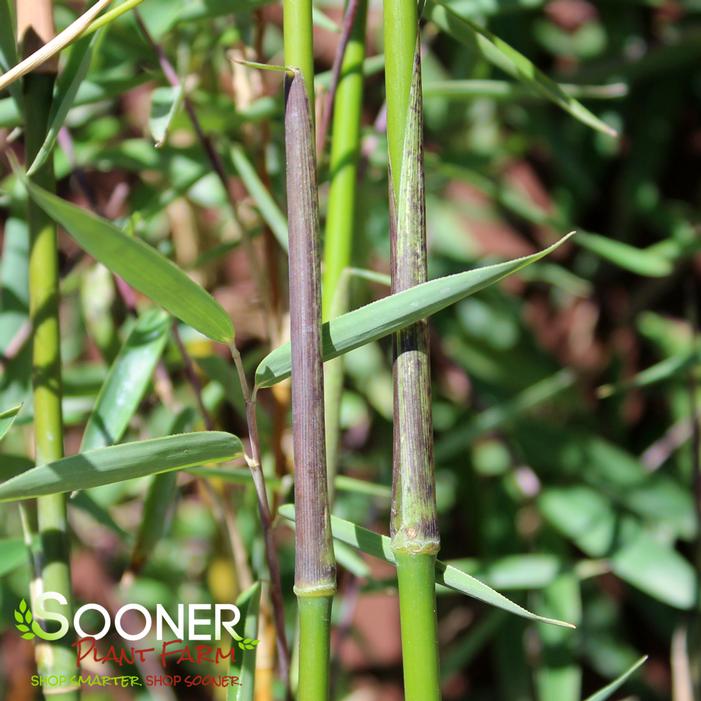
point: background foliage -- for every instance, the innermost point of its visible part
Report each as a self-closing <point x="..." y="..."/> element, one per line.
<point x="564" y="400"/>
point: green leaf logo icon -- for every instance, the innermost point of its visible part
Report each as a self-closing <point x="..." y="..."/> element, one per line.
<point x="248" y="643"/>
<point x="23" y="620"/>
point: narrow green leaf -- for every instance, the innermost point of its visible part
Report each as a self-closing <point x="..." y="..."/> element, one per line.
<point x="616" y="684"/>
<point x="669" y="368"/>
<point x="127" y="381"/>
<point x="117" y="463"/>
<point x="13" y="553"/>
<point x="636" y="260"/>
<point x="165" y="105"/>
<point x="515" y="64"/>
<point x="7" y="418"/>
<point x="395" y="312"/>
<point x="505" y="90"/>
<point x="8" y="47"/>
<point x="140" y="265"/>
<point x="160" y="501"/>
<point x="268" y="208"/>
<point x="249" y="605"/>
<point x="380" y="546"/>
<point x="66" y="90"/>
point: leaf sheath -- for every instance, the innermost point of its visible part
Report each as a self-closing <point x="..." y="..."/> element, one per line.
<point x="315" y="570"/>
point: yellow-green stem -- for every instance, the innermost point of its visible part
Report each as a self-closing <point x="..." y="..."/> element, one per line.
<point x="417" y="607"/>
<point x="400" y="33"/>
<point x="341" y="218"/>
<point x="56" y="658"/>
<point x="314" y="643"/>
<point x="414" y="523"/>
<point x="299" y="43"/>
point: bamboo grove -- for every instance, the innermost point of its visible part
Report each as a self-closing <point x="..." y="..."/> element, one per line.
<point x="242" y="413"/>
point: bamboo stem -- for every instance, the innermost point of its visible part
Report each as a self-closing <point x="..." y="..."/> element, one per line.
<point x="345" y="149"/>
<point x="315" y="567"/>
<point x="414" y="522"/>
<point x="342" y="205"/>
<point x="299" y="43"/>
<point x="314" y="643"/>
<point x="35" y="22"/>
<point x="401" y="31"/>
<point x="417" y="609"/>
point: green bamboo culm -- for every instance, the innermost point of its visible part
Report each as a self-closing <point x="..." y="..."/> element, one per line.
<point x="401" y="24"/>
<point x="414" y="522"/>
<point x="341" y="216"/>
<point x="299" y="42"/>
<point x="35" y="27"/>
<point x="315" y="567"/>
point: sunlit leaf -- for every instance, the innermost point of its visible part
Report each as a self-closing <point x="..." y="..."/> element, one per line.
<point x="122" y="462"/>
<point x="395" y="312"/>
<point x="140" y="265"/>
<point x="127" y="381"/>
<point x="380" y="546"/>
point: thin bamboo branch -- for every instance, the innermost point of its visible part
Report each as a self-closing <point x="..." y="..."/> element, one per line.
<point x="266" y="518"/>
<point x="33" y="28"/>
<point x="218" y="167"/>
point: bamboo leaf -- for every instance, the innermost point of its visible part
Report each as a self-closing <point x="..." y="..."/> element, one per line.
<point x="249" y="605"/>
<point x="95" y="468"/>
<point x="505" y="90"/>
<point x="159" y="503"/>
<point x="8" y="46"/>
<point x="13" y="553"/>
<point x="515" y="64"/>
<point x="669" y="368"/>
<point x="127" y="381"/>
<point x="637" y="260"/>
<point x="616" y="684"/>
<point x="268" y="208"/>
<point x="140" y="265"/>
<point x="165" y="105"/>
<point x="7" y="418"/>
<point x="390" y="314"/>
<point x="380" y="546"/>
<point x="66" y="90"/>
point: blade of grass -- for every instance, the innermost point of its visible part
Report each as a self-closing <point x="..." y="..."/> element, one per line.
<point x="127" y="381"/>
<point x="66" y="90"/>
<point x="165" y="105"/>
<point x="7" y="418"/>
<point x="139" y="265"/>
<point x="380" y="546"/>
<point x="390" y="314"/>
<point x="617" y="683"/>
<point x="94" y="468"/>
<point x="502" y="89"/>
<point x="268" y="208"/>
<point x="159" y="503"/>
<point x="515" y="64"/>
